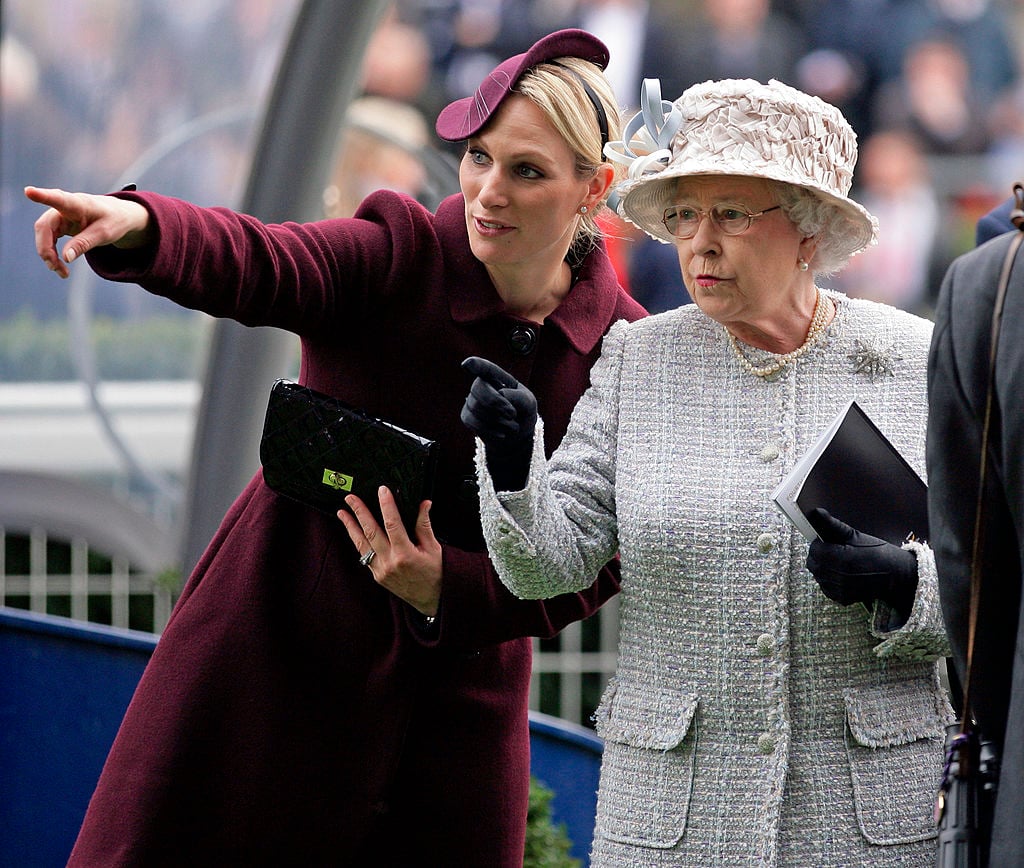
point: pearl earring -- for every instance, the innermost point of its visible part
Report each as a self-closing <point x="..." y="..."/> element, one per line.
<point x="583" y="209"/>
<point x="802" y="264"/>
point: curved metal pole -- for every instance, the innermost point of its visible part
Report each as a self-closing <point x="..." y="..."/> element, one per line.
<point x="317" y="78"/>
<point x="83" y="353"/>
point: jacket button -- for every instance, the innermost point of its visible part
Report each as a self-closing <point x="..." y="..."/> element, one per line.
<point x="769" y="453"/>
<point x="766" y="542"/>
<point x="765" y="645"/>
<point x="522" y="340"/>
<point x="766" y="743"/>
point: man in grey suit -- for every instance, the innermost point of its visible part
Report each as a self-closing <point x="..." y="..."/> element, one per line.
<point x="958" y="374"/>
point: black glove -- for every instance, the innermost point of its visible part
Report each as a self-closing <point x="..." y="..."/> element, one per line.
<point x="502" y="412"/>
<point x="853" y="567"/>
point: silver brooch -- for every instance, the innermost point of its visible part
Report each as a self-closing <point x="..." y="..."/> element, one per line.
<point x="873" y="361"/>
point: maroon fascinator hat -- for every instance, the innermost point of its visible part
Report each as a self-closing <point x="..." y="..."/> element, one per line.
<point x="464" y="117"/>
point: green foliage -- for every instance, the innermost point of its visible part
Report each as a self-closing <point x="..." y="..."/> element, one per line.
<point x="166" y="347"/>
<point x="34" y="350"/>
<point x="547" y="845"/>
<point x="169" y="579"/>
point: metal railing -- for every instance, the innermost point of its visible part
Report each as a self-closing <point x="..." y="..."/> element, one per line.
<point x="46" y="575"/>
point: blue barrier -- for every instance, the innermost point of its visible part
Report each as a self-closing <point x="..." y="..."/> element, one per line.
<point x="64" y="687"/>
<point x="566" y="758"/>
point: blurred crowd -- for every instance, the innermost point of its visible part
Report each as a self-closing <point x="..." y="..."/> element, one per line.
<point x="932" y="87"/>
<point x="93" y="94"/>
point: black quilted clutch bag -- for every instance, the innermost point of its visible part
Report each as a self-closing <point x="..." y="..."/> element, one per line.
<point x="317" y="449"/>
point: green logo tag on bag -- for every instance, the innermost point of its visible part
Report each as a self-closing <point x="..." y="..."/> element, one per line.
<point x="337" y="481"/>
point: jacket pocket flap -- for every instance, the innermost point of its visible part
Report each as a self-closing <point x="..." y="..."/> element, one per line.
<point x="892" y="714"/>
<point x="642" y="716"/>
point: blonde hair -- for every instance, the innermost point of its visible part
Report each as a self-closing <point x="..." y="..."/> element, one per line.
<point x="556" y="88"/>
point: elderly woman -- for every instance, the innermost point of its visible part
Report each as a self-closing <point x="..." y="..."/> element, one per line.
<point x="756" y="717"/>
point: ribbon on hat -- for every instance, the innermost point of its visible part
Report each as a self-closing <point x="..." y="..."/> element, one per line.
<point x="650" y="131"/>
<point x="646" y="144"/>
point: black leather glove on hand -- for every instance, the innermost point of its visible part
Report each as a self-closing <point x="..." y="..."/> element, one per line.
<point x="853" y="567"/>
<point x="502" y="412"/>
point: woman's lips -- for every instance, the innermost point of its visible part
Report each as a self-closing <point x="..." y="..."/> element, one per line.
<point x="491" y="228"/>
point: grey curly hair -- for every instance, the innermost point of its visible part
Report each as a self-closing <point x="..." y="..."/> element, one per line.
<point x="813" y="216"/>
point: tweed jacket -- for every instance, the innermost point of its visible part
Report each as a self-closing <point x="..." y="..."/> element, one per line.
<point x="751" y="721"/>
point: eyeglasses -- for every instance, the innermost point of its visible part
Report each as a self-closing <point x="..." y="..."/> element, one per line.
<point x="683" y="220"/>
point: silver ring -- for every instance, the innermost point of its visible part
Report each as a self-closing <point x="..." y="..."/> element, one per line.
<point x="369" y="556"/>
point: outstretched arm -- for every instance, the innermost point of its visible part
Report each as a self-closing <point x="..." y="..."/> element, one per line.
<point x="90" y="220"/>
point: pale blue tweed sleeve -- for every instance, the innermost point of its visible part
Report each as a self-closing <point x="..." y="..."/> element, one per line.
<point x="554" y="535"/>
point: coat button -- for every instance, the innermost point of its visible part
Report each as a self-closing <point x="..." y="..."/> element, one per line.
<point x="522" y="340"/>
<point x="769" y="453"/>
<point x="765" y="645"/>
<point x="766" y="743"/>
<point x="469" y="489"/>
<point x="766" y="542"/>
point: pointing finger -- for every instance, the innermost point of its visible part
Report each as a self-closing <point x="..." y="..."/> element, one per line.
<point x="492" y="373"/>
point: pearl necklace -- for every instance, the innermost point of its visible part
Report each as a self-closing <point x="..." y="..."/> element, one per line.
<point x="817" y="328"/>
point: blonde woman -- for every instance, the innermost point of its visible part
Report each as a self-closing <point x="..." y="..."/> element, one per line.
<point x="321" y="701"/>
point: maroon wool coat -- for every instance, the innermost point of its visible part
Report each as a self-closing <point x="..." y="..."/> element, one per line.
<point x="294" y="712"/>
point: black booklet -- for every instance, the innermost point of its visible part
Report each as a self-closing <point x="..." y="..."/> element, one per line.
<point x="855" y="473"/>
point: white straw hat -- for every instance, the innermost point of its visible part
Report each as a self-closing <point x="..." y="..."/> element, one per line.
<point x="739" y="127"/>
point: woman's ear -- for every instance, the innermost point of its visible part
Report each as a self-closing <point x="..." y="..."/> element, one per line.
<point x="808" y="246"/>
<point x="600" y="184"/>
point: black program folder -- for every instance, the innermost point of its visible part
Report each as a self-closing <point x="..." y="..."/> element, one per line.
<point x="855" y="473"/>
